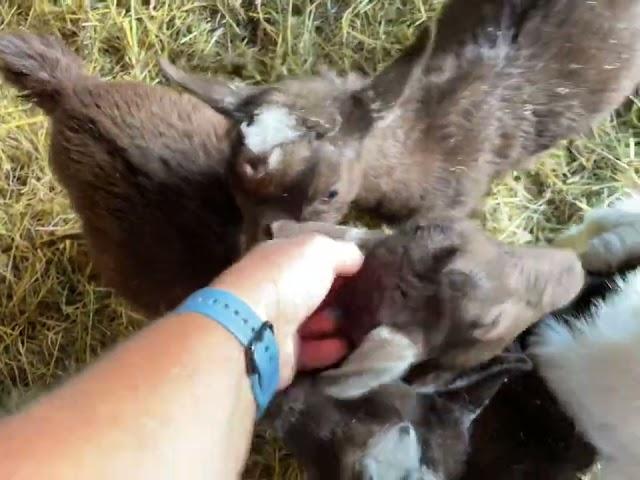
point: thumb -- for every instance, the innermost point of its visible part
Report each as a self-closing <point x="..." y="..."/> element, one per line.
<point x="346" y="256"/>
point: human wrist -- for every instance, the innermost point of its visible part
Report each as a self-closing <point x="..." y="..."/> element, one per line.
<point x="254" y="336"/>
<point x="254" y="296"/>
<point x="221" y="361"/>
<point x="226" y="350"/>
<point x="225" y="347"/>
<point x="258" y="299"/>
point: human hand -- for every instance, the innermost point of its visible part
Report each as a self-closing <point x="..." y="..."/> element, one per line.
<point x="285" y="281"/>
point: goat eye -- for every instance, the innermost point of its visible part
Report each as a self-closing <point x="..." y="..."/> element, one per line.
<point x="332" y="194"/>
<point x="318" y="135"/>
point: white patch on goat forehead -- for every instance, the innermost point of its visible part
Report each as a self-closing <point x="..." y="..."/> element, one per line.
<point x="272" y="125"/>
<point x="395" y="454"/>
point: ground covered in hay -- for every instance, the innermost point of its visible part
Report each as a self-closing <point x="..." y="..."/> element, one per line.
<point x="54" y="318"/>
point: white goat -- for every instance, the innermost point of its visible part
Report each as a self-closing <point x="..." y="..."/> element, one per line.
<point x="592" y="363"/>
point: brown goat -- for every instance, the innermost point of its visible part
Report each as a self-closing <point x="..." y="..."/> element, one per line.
<point x="440" y="290"/>
<point x="144" y="167"/>
<point x="496" y="83"/>
<point x="325" y="106"/>
<point x="372" y="419"/>
<point x="553" y="422"/>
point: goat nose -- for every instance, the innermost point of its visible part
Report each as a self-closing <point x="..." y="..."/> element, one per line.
<point x="404" y="430"/>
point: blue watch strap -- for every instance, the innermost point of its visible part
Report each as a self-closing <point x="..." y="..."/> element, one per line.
<point x="256" y="335"/>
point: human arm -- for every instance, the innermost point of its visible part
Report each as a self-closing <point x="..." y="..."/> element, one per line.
<point x="174" y="401"/>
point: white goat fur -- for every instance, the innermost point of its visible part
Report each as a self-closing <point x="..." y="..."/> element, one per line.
<point x="593" y="368"/>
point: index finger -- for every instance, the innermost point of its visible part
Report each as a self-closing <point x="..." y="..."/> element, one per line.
<point x="349" y="258"/>
<point x="344" y="257"/>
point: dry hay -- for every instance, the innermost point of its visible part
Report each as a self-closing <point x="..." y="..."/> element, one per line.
<point x="54" y="318"/>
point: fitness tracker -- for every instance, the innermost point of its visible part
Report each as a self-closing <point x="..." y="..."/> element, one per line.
<point x="256" y="336"/>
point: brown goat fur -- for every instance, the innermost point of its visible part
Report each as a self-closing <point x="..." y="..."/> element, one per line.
<point x="145" y="170"/>
<point x="441" y="291"/>
<point x="496" y="83"/>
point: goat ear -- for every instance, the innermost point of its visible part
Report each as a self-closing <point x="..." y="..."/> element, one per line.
<point x="222" y="95"/>
<point x="545" y="278"/>
<point x="475" y="387"/>
<point x="384" y="356"/>
<point x="362" y="237"/>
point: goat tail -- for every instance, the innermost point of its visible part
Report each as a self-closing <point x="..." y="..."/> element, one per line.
<point x="41" y="66"/>
<point x="592" y="365"/>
